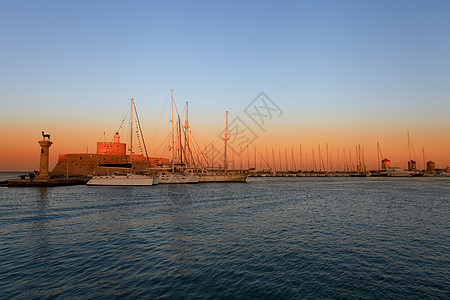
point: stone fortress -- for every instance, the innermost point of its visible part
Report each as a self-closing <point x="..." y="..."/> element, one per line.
<point x="70" y="165"/>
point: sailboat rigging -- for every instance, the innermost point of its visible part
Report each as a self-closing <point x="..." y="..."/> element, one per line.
<point x="123" y="179"/>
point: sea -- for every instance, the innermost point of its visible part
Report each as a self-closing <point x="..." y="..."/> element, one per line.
<point x="269" y="238"/>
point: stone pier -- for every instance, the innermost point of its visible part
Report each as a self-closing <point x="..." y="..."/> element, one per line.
<point x="44" y="179"/>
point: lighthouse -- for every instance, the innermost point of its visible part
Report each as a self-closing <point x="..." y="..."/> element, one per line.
<point x="45" y="144"/>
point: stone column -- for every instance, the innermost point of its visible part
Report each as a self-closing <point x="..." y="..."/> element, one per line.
<point x="43" y="168"/>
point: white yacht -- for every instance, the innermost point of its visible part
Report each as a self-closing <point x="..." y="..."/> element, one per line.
<point x="126" y="178"/>
<point x="223" y="176"/>
<point x="397" y="172"/>
<point x="174" y="175"/>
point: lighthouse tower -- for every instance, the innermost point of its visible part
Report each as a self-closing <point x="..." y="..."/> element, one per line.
<point x="43" y="167"/>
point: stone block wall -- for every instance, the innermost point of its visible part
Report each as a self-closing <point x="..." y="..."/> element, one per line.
<point x="87" y="164"/>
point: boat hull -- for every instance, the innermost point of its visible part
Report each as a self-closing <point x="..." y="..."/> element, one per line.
<point x="225" y="177"/>
<point x="395" y="172"/>
<point x="121" y="180"/>
<point x="399" y="175"/>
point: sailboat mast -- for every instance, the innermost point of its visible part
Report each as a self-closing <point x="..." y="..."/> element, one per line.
<point x="409" y="154"/>
<point x="225" y="150"/>
<point x="173" y="137"/>
<point x="268" y="160"/>
<point x="248" y="156"/>
<point x="180" y="150"/>
<point x="346" y="168"/>
<point x="240" y="157"/>
<point x="254" y="152"/>
<point x="286" y="159"/>
<point x="301" y="160"/>
<point x="314" y="160"/>
<point x="423" y="157"/>
<point x="363" y="159"/>
<point x="338" y="161"/>
<point x="378" y="156"/>
<point x="186" y="133"/>
<point x="306" y="160"/>
<point x="281" y="162"/>
<point x="131" y="136"/>
<point x="274" y="163"/>
<point x="293" y="160"/>
<point x="321" y="164"/>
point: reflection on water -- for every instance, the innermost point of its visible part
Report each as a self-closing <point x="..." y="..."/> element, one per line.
<point x="180" y="219"/>
<point x="41" y="259"/>
<point x="42" y="201"/>
<point x="179" y="194"/>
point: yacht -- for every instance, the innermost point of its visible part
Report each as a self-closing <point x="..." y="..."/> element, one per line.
<point x="126" y="178"/>
<point x="121" y="179"/>
<point x="397" y="172"/>
<point x="223" y="176"/>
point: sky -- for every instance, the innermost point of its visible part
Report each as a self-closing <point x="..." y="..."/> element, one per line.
<point x="339" y="73"/>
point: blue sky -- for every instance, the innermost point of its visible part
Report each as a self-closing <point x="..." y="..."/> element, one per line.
<point x="340" y="61"/>
<point x="337" y="51"/>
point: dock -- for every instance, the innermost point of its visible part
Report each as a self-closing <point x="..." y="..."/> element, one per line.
<point x="47" y="182"/>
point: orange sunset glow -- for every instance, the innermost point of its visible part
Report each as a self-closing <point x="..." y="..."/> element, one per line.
<point x="278" y="145"/>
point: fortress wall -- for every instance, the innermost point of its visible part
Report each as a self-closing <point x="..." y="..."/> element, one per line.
<point x="86" y="164"/>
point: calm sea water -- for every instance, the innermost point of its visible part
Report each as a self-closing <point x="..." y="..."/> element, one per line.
<point x="269" y="238"/>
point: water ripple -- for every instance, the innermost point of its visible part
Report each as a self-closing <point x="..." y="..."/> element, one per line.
<point x="283" y="238"/>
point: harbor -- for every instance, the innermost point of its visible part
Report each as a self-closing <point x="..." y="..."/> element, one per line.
<point x="117" y="164"/>
<point x="225" y="150"/>
<point x="45" y="182"/>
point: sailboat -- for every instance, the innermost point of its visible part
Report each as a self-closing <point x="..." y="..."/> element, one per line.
<point x="126" y="178"/>
<point x="224" y="175"/>
<point x="174" y="175"/>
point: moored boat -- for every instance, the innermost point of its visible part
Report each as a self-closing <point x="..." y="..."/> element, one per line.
<point x="121" y="179"/>
<point x="223" y="176"/>
<point x="397" y="172"/>
<point x="127" y="178"/>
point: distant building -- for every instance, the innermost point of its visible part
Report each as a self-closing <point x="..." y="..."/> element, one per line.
<point x="412" y="165"/>
<point x="385" y="164"/>
<point x="112" y="148"/>
<point x="107" y="153"/>
<point x="431" y="166"/>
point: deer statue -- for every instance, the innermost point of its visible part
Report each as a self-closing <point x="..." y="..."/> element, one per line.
<point x="45" y="135"/>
